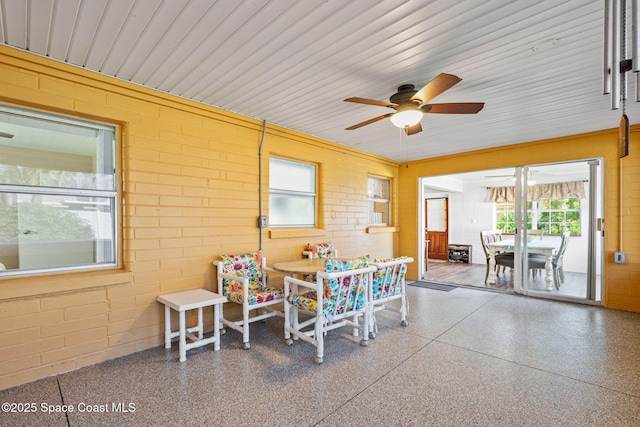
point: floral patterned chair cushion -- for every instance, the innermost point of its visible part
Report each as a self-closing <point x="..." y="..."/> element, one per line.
<point x="335" y="297"/>
<point x="249" y="266"/>
<point x="387" y="280"/>
<point x="321" y="250"/>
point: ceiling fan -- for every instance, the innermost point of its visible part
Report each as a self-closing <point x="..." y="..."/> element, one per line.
<point x="410" y="104"/>
<point x="531" y="176"/>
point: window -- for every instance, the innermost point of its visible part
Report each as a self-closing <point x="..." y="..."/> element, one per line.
<point x="556" y="216"/>
<point x="551" y="215"/>
<point x="379" y="197"/>
<point x="505" y="217"/>
<point x="58" y="196"/>
<point x="292" y="193"/>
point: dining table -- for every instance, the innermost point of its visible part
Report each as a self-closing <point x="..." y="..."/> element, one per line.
<point x="300" y="267"/>
<point x="540" y="246"/>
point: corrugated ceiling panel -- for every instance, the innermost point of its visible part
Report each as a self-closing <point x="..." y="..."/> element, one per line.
<point x="85" y="29"/>
<point x="292" y="63"/>
<point x="39" y="26"/>
<point x="137" y="22"/>
<point x="63" y="23"/>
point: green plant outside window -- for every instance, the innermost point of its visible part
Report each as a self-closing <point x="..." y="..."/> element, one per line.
<point x="552" y="216"/>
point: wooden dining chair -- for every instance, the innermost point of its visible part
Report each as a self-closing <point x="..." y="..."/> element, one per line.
<point x="502" y="258"/>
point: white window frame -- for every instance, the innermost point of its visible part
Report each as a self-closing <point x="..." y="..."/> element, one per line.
<point x="533" y="213"/>
<point x="90" y="197"/>
<point x="376" y="200"/>
<point x="286" y="191"/>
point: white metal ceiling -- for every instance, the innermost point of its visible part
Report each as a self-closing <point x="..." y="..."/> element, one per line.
<point x="536" y="64"/>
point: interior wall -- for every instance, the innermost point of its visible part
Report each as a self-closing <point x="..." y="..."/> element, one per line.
<point x="190" y="185"/>
<point x="470" y="212"/>
<point x="39" y="159"/>
<point x="621" y="281"/>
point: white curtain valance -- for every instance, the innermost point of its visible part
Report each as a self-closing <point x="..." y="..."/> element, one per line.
<point x="559" y="190"/>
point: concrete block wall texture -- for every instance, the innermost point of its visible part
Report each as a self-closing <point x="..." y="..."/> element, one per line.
<point x="190" y="189"/>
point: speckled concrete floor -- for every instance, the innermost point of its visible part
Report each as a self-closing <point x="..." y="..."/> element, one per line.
<point x="467" y="358"/>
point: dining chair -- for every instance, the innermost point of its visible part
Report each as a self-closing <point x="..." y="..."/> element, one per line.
<point x="338" y="297"/>
<point x="538" y="261"/>
<point x="389" y="285"/>
<point x="243" y="279"/>
<point x="502" y="258"/>
<point x="533" y="235"/>
<point x="320" y="250"/>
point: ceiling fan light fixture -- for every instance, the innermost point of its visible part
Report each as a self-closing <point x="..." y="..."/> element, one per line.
<point x="406" y="118"/>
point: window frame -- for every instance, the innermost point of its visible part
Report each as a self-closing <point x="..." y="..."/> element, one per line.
<point x="372" y="201"/>
<point x="534" y="213"/>
<point x="288" y="192"/>
<point x="110" y="193"/>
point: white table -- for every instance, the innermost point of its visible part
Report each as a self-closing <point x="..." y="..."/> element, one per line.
<point x="544" y="247"/>
<point x="190" y="300"/>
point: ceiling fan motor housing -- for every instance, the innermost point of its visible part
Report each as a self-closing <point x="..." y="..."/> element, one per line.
<point x="404" y="94"/>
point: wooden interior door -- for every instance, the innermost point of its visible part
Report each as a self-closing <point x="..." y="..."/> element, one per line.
<point x="437" y="227"/>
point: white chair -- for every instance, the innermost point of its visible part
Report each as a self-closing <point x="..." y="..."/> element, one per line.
<point x="538" y="261"/>
<point x="243" y="280"/>
<point x="533" y="235"/>
<point x="502" y="259"/>
<point x="339" y="297"/>
<point x="389" y="285"/>
<point x="320" y="250"/>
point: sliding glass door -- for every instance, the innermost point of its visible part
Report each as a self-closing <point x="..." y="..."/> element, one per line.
<point x="557" y="243"/>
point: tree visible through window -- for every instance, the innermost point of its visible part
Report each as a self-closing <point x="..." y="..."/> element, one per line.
<point x="551" y="215"/>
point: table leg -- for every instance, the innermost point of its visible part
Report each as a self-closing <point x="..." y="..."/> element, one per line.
<point x="548" y="268"/>
<point x="216" y="326"/>
<point x="183" y="337"/>
<point x="200" y="323"/>
<point x="167" y="326"/>
<point x="294" y="311"/>
<point x="492" y="268"/>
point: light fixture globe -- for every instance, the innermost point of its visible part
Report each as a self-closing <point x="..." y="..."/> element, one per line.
<point x="406" y="117"/>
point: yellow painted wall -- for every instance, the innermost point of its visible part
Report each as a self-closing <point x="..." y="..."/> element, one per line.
<point x="190" y="192"/>
<point x="621" y="281"/>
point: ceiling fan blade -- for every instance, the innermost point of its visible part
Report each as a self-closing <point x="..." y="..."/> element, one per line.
<point x="371" y="102"/>
<point x="411" y="130"/>
<point x="453" y="108"/>
<point x="435" y="87"/>
<point x="368" y="122"/>
<point x="6" y="135"/>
